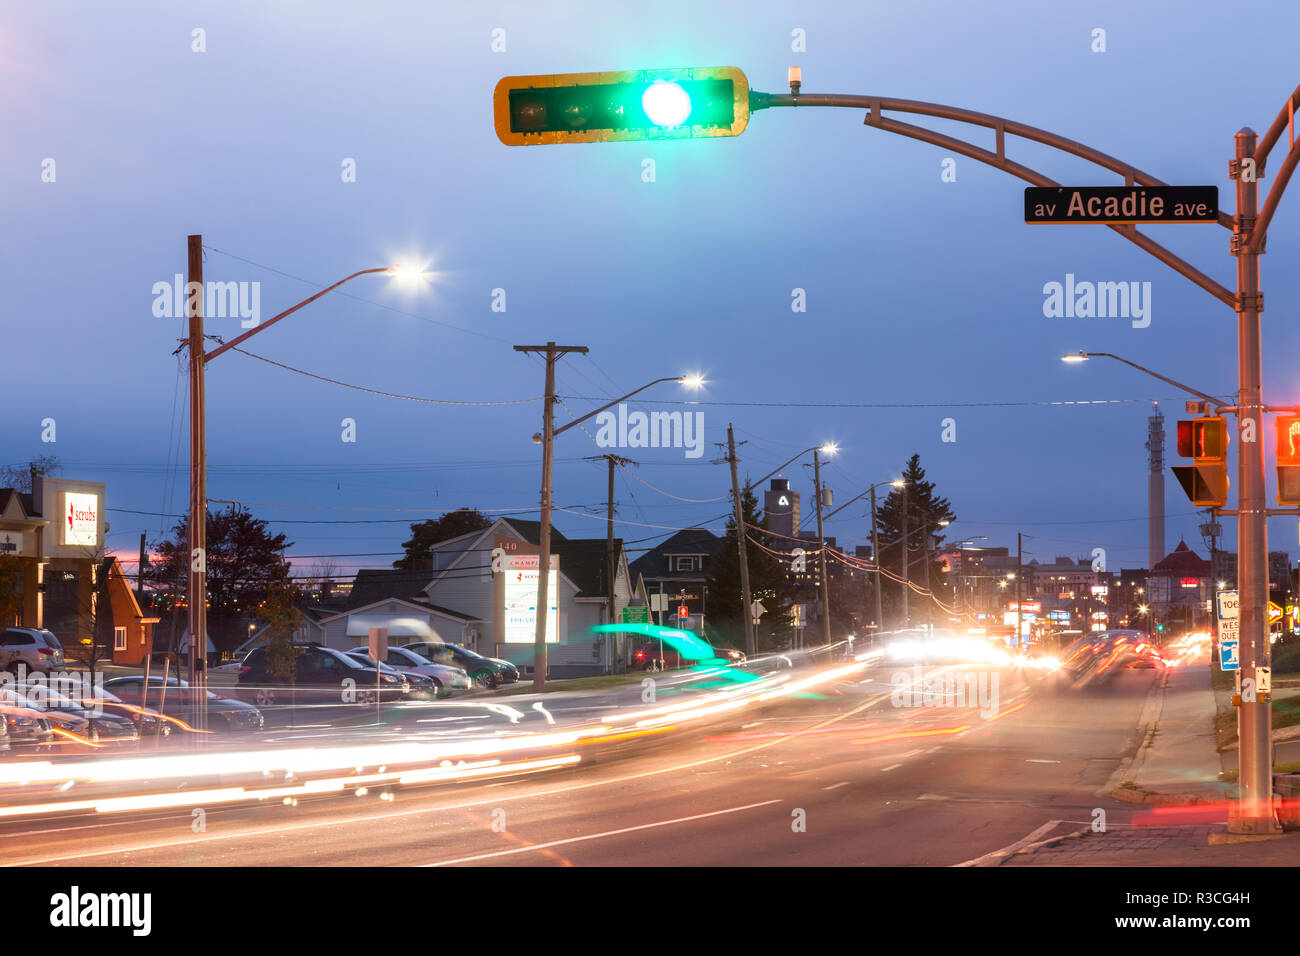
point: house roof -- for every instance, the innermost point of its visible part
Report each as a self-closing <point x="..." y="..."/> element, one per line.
<point x="530" y="531"/>
<point x="654" y="563"/>
<point x="373" y="584"/>
<point x="25" y="499"/>
<point x="584" y="562"/>
<point x="1183" y="562"/>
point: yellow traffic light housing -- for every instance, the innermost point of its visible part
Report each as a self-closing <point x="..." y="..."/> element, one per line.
<point x="620" y="106"/>
<point x="1205" y="440"/>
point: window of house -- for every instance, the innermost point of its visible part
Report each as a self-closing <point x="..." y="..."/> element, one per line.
<point x="685" y="563"/>
<point x="119" y="638"/>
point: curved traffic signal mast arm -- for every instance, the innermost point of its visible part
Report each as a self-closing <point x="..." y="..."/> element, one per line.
<point x="1285" y="118"/>
<point x="875" y="105"/>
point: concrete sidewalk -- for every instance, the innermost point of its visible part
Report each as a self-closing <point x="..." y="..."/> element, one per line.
<point x="1178" y="759"/>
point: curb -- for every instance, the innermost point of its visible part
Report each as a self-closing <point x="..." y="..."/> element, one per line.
<point x="1129" y="795"/>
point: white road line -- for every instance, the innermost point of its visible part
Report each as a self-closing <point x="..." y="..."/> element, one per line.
<point x="990" y="859"/>
<point x="932" y="750"/>
<point x="1042" y="761"/>
<point x="893" y="766"/>
<point x="836" y="786"/>
<point x="597" y="836"/>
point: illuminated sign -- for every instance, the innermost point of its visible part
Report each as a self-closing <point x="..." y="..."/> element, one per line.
<point x="1189" y="582"/>
<point x="519" y="612"/>
<point x="80" y="519"/>
<point x="1034" y="606"/>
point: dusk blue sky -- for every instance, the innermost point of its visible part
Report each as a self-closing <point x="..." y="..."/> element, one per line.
<point x="918" y="291"/>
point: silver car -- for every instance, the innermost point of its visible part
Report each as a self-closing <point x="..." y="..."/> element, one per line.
<point x="444" y="677"/>
<point x="32" y="650"/>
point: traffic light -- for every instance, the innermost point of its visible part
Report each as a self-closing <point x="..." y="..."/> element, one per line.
<point x="627" y="105"/>
<point x="1205" y="440"/>
<point x="1288" y="459"/>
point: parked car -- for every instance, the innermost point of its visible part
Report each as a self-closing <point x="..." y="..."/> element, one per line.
<point x="32" y="649"/>
<point x="488" y="671"/>
<point x="4" y="734"/>
<point x="442" y="677"/>
<point x="71" y="715"/>
<point x="181" y="702"/>
<point x="23" y="725"/>
<point x="150" y="721"/>
<point x="319" y="676"/>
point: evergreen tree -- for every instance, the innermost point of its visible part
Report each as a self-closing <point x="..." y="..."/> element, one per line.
<point x="925" y="510"/>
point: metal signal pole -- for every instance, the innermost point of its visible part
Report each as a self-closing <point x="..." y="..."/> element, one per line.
<point x="745" y="599"/>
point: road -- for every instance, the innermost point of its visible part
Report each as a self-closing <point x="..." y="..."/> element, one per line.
<point x="842" y="777"/>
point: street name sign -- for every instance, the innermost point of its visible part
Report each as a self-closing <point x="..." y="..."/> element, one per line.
<point x="1121" y="205"/>
<point x="636" y="614"/>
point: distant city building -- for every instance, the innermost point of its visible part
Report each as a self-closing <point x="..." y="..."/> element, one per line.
<point x="781" y="512"/>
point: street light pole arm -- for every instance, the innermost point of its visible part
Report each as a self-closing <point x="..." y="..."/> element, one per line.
<point x="875" y="104"/>
<point x="579" y="421"/>
<point x="262" y="327"/>
<point x="1169" y="381"/>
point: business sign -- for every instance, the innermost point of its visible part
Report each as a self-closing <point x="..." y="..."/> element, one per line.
<point x="1189" y="582"/>
<point x="11" y="543"/>
<point x="80" y="519"/>
<point x="519" y="607"/>
<point x="1117" y="205"/>
<point x="636" y="614"/>
<point x="1034" y="606"/>
<point x="1274" y="612"/>
<point x="1058" y="615"/>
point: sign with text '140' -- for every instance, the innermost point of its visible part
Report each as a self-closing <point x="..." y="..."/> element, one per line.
<point x="1121" y="205"/>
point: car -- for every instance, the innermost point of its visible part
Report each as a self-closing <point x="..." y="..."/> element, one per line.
<point x="71" y="715"/>
<point x="319" y="677"/>
<point x="444" y="678"/>
<point x="30" y="649"/>
<point x="649" y="656"/>
<point x="175" y="699"/>
<point x="26" y="724"/>
<point x="4" y="734"/>
<point x="491" y="672"/>
<point x="151" y="723"/>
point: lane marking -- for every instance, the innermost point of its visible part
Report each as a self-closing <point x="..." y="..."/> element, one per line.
<point x="598" y="836"/>
<point x="836" y="786"/>
<point x="997" y="856"/>
<point x="894" y="766"/>
<point x="1042" y="761"/>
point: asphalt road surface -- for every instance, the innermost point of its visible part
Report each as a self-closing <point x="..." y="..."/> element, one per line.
<point x="844" y="777"/>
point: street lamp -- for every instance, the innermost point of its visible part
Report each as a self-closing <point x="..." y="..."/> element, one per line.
<point x="198" y="585"/>
<point x="547" y="440"/>
<point x="1074" y="358"/>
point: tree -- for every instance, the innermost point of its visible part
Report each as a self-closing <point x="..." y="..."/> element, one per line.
<point x="244" y="561"/>
<point x="925" y="510"/>
<point x="769" y="582"/>
<point x="20" y="477"/>
<point x="425" y="534"/>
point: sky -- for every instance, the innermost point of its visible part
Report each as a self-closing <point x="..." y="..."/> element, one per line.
<point x="923" y="298"/>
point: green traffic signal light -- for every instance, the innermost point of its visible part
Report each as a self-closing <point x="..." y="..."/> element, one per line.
<point x="628" y="105"/>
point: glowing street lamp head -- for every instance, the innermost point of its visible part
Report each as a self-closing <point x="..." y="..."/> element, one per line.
<point x="666" y="103"/>
<point x="898" y="483"/>
<point x="407" y="273"/>
<point x="693" y="381"/>
<point x="829" y="449"/>
<point x="1075" y="357"/>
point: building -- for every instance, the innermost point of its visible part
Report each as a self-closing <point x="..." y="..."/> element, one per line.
<point x="1181" y="589"/>
<point x="675" y="574"/>
<point x="121" y="627"/>
<point x="781" y="512"/>
<point x="56" y="532"/>
<point x="480" y="591"/>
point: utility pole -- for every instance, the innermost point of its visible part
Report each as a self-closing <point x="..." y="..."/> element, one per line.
<point x="821" y="544"/>
<point x="929" y="591"/>
<point x="139" y="572"/>
<point x="907" y="578"/>
<point x="1020" y="573"/>
<point x="745" y="598"/>
<point x="875" y="556"/>
<point x="1253" y="717"/>
<point x="552" y="353"/>
<point x="611" y="559"/>
<point x="197" y="593"/>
